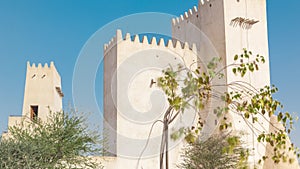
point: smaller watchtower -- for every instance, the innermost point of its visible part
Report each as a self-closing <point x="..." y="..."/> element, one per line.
<point x="42" y="91"/>
<point x="42" y="94"/>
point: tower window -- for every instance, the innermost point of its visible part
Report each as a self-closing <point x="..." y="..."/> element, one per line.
<point x="34" y="112"/>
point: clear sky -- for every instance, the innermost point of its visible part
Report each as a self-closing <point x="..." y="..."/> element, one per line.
<point x="44" y="31"/>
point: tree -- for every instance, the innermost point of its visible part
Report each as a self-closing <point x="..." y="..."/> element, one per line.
<point x="186" y="88"/>
<point x="218" y="151"/>
<point x="63" y="141"/>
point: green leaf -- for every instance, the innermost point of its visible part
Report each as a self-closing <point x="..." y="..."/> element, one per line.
<point x="234" y="70"/>
<point x="247" y="115"/>
<point x="236" y="57"/>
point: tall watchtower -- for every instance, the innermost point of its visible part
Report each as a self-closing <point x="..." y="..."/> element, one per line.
<point x="42" y="91"/>
<point x="230" y="26"/>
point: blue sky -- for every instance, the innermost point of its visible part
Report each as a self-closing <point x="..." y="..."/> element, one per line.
<point x="44" y="31"/>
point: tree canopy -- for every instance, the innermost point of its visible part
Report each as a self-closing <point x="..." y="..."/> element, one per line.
<point x="63" y="141"/>
<point x="218" y="151"/>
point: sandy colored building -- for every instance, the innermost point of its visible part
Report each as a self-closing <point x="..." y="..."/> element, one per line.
<point x="42" y="94"/>
<point x="214" y="28"/>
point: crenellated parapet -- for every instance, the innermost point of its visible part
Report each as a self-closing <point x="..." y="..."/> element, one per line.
<point x="202" y="2"/>
<point x="110" y="44"/>
<point x="142" y="42"/>
<point x="40" y="66"/>
<point x="186" y="16"/>
<point x="191" y="14"/>
<point x="34" y="69"/>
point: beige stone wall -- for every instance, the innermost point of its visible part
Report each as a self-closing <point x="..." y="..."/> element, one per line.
<point x="131" y="106"/>
<point x="256" y="40"/>
<point x="205" y="27"/>
<point x="269" y="163"/>
<point x="214" y="19"/>
<point x="110" y="94"/>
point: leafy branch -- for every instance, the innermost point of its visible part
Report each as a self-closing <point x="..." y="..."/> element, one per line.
<point x="186" y="88"/>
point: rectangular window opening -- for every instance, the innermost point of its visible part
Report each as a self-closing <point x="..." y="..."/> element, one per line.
<point x="34" y="110"/>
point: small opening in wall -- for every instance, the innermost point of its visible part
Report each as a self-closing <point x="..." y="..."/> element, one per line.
<point x="237" y="0"/>
<point x="43" y="76"/>
<point x="210" y="5"/>
<point x="58" y="89"/>
<point x="33" y="76"/>
<point x="197" y="16"/>
<point x="34" y="111"/>
<point x="178" y="27"/>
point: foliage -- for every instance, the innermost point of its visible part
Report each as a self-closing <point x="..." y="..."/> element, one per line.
<point x="222" y="152"/>
<point x="186" y="88"/>
<point x="63" y="141"/>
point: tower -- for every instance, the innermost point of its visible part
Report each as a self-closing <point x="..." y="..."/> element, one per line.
<point x="230" y="26"/>
<point x="42" y="91"/>
<point x="133" y="102"/>
<point x="42" y="94"/>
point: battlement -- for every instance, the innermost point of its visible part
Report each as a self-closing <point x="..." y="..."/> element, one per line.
<point x="202" y="2"/>
<point x="191" y="12"/>
<point x="39" y="66"/>
<point x="110" y="44"/>
<point x="172" y="44"/>
<point x="43" y="72"/>
<point x="194" y="12"/>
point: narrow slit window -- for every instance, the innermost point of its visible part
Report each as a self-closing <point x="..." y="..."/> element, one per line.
<point x="34" y="111"/>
